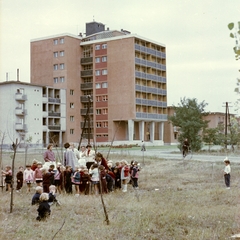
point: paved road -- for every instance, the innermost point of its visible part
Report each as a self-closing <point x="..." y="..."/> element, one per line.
<point x="168" y="154"/>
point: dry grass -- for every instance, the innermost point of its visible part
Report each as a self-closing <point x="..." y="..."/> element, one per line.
<point x="176" y="200"/>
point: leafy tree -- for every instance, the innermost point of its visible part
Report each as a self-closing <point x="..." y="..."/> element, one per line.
<point x="188" y="117"/>
<point x="234" y="132"/>
<point x="235" y="35"/>
<point x="210" y="136"/>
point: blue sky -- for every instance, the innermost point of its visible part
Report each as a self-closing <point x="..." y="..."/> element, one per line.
<point x="200" y="59"/>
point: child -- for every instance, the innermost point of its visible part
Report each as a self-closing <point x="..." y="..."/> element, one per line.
<point x="36" y="196"/>
<point x="47" y="176"/>
<point x="227" y="171"/>
<point x="124" y="175"/>
<point x="28" y="176"/>
<point x="76" y="180"/>
<point x="117" y="173"/>
<point x="93" y="171"/>
<point x="38" y="174"/>
<point x="52" y="195"/>
<point x="67" y="179"/>
<point x="19" y="179"/>
<point x="58" y="178"/>
<point x="8" y="177"/>
<point x="86" y="180"/>
<point x="103" y="179"/>
<point x="34" y="164"/>
<point x="134" y="175"/>
<point x="44" y="208"/>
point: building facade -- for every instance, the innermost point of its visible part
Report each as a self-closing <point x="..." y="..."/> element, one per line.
<point x="31" y="113"/>
<point x="117" y="77"/>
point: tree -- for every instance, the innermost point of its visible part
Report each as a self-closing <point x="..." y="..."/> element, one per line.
<point x="188" y="118"/>
<point x="235" y="35"/>
<point x="210" y="136"/>
<point x="234" y="132"/>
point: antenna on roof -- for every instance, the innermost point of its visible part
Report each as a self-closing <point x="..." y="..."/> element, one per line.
<point x="93" y="19"/>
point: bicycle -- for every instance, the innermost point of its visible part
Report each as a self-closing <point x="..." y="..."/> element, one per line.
<point x="187" y="154"/>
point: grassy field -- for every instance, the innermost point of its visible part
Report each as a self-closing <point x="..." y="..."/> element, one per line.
<point x="176" y="200"/>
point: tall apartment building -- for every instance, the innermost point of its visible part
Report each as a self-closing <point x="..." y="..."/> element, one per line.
<point x="124" y="74"/>
<point x="31" y="113"/>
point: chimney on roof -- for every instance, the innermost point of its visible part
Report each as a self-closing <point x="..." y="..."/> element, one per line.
<point x="18" y="74"/>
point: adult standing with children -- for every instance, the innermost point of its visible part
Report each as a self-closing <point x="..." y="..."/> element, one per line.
<point x="49" y="155"/>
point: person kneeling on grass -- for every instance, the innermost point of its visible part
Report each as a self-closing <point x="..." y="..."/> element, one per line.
<point x="44" y="208"/>
<point x="52" y="196"/>
<point x="36" y="196"/>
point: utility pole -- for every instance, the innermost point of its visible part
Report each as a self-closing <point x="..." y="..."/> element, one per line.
<point x="227" y="119"/>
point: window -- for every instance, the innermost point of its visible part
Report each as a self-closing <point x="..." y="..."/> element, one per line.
<point x="97" y="47"/>
<point x="104" y="46"/>
<point x="55" y="41"/>
<point x="105" y="111"/>
<point x="98" y="111"/>
<point x="98" y="124"/>
<point x="71" y="91"/>
<point x="71" y="105"/>
<point x="105" y="124"/>
<point x="98" y="85"/>
<point x="104" y="85"/>
<point x="61" y="53"/>
<point x="61" y="65"/>
<point x="55" y="54"/>
<point x="71" y="131"/>
<point x="98" y="98"/>
<point x="55" y="80"/>
<point x="72" y="118"/>
<point x="61" y="40"/>
<point x="104" y="72"/>
<point x="98" y="72"/>
<point x="104" y="98"/>
<point x="62" y="79"/>
<point x="97" y="59"/>
<point x="55" y="67"/>
<point x="104" y="59"/>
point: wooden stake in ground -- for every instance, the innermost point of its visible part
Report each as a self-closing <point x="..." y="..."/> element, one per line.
<point x="14" y="145"/>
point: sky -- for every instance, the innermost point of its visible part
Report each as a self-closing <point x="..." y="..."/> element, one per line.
<point x="200" y="59"/>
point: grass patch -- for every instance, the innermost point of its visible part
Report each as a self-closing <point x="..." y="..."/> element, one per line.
<point x="174" y="201"/>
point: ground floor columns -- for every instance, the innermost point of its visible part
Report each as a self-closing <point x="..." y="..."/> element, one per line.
<point x="141" y="131"/>
<point x="152" y="130"/>
<point x="161" y="130"/>
<point x="130" y="130"/>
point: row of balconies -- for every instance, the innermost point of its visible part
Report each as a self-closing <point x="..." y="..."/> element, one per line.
<point x="146" y="89"/>
<point x="147" y="63"/>
<point x="152" y="103"/>
<point x="152" y="116"/>
<point x="150" y="51"/>
<point x="151" y="77"/>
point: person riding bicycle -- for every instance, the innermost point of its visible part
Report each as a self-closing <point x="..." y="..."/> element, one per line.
<point x="185" y="147"/>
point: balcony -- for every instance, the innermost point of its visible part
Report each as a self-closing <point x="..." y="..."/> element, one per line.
<point x="84" y="99"/>
<point x="86" y="60"/>
<point x="54" y="100"/>
<point x="20" y="127"/>
<point x="155" y="116"/>
<point x="84" y="111"/>
<point x="20" y="111"/>
<point x="86" y="73"/>
<point x="54" y="127"/>
<point x="20" y="97"/>
<point x="86" y="86"/>
<point x="54" y="114"/>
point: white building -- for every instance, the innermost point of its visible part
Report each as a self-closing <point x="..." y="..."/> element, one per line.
<point x="31" y="113"/>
